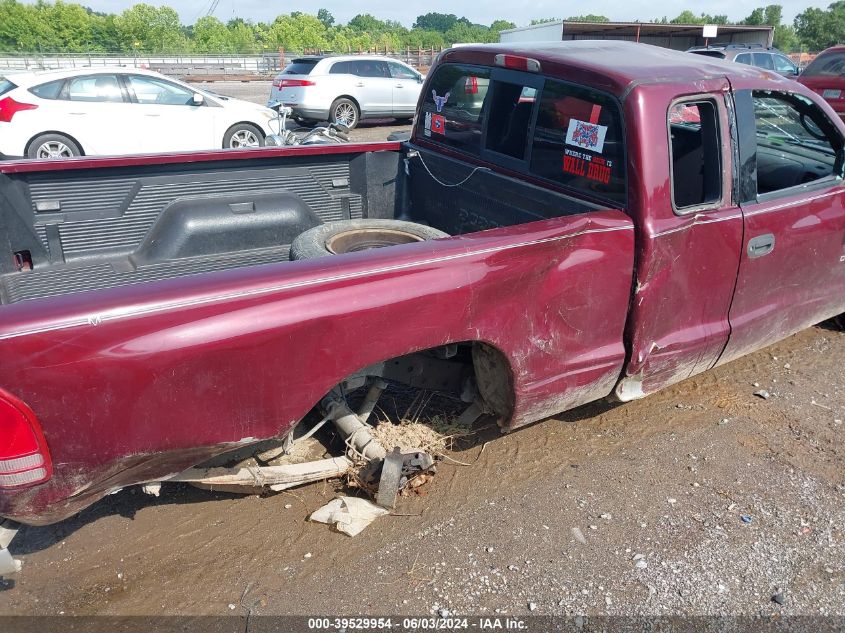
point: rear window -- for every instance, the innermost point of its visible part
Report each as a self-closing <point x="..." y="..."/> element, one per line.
<point x="300" y="67"/>
<point x="716" y="54"/>
<point x="6" y="86"/>
<point x="565" y="134"/>
<point x="829" y="65"/>
<point x="578" y="141"/>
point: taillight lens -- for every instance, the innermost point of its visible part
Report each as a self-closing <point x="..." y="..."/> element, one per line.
<point x="24" y="457"/>
<point x="9" y="108"/>
<point x="517" y="62"/>
<point x="293" y="83"/>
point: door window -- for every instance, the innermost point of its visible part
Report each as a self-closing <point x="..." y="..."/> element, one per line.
<point x="95" y="88"/>
<point x="784" y="65"/>
<point x="152" y="91"/>
<point x="744" y="58"/>
<point x="796" y="142"/>
<point x="696" y="155"/>
<point x="400" y="71"/>
<point x="763" y="60"/>
<point x="370" y="68"/>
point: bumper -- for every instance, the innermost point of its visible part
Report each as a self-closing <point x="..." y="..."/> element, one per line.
<point x="317" y="114"/>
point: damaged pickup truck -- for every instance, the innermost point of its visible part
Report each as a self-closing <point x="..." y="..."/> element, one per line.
<point x="568" y="222"/>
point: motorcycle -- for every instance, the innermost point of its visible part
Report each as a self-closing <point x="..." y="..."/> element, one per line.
<point x="320" y="135"/>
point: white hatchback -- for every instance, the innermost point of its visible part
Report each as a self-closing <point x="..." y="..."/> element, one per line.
<point x="347" y="89"/>
<point x="115" y="111"/>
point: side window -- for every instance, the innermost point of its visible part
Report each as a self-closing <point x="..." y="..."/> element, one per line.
<point x="453" y="107"/>
<point x="796" y="143"/>
<point x="784" y="65"/>
<point x="743" y="58"/>
<point x="341" y="68"/>
<point x="764" y="60"/>
<point x="696" y="154"/>
<point x="152" y="91"/>
<point x="95" y="88"/>
<point x="400" y="71"/>
<point x="370" y="68"/>
<point x="49" y="90"/>
<point x="578" y="140"/>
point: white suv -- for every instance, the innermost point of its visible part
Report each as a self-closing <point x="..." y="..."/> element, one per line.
<point x="346" y="89"/>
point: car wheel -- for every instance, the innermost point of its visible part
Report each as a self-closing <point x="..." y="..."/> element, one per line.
<point x="350" y="236"/>
<point x="243" y="136"/>
<point x="345" y="111"/>
<point x="49" y="146"/>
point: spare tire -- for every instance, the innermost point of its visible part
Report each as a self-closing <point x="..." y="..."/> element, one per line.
<point x="349" y="236"/>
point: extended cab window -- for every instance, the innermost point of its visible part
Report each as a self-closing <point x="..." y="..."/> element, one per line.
<point x="796" y="143"/>
<point x="696" y="154"/>
<point x="578" y="140"/>
<point x="453" y="107"/>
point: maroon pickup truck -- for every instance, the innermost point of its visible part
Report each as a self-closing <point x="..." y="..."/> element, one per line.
<point x="610" y="219"/>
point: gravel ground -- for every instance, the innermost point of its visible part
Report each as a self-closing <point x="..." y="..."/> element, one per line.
<point x="259" y="92"/>
<point x="703" y="499"/>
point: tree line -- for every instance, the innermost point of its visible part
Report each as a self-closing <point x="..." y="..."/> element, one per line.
<point x="65" y="27"/>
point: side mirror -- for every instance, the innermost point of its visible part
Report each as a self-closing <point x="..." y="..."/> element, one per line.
<point x="198" y="99"/>
<point x="420" y="79"/>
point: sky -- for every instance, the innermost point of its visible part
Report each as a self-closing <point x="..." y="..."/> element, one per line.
<point x="478" y="11"/>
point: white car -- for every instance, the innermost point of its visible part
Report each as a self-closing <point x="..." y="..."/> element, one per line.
<point x="112" y="111"/>
<point x="347" y="89"/>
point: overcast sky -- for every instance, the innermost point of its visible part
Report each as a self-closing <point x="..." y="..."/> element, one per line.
<point x="479" y="11"/>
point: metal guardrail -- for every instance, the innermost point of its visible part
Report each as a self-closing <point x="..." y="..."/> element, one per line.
<point x="193" y="65"/>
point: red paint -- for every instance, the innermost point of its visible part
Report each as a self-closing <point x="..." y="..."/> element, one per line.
<point x="9" y="108"/>
<point x="85" y="162"/>
<point x="822" y="83"/>
<point x="135" y="383"/>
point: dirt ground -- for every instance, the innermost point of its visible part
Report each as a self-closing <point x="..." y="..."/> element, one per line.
<point x="701" y="499"/>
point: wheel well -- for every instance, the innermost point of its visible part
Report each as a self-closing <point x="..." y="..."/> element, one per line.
<point x="444" y="368"/>
<point x="250" y="123"/>
<point x="353" y="100"/>
<point x="65" y="134"/>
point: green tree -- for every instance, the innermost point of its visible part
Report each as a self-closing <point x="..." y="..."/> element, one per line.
<point x="210" y="35"/>
<point x="149" y="29"/>
<point x="297" y="32"/>
<point x="326" y="18"/>
<point x="590" y="17"/>
<point x="502" y="25"/>
<point x="818" y="28"/>
<point x="544" y="21"/>
<point x="442" y="22"/>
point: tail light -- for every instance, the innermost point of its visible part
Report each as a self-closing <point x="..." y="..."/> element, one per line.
<point x="9" y="108"/>
<point x="293" y="83"/>
<point x="24" y="457"/>
<point x="471" y="85"/>
<point x="517" y="63"/>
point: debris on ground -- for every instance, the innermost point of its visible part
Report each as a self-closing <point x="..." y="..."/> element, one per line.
<point x="762" y="393"/>
<point x="349" y="515"/>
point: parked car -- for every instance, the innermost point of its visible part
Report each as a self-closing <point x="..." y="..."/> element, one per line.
<point x="111" y="111"/>
<point x="751" y="54"/>
<point x="348" y="89"/>
<point x="614" y="219"/>
<point x="826" y="76"/>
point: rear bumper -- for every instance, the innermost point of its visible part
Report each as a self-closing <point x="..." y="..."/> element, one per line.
<point x="318" y="114"/>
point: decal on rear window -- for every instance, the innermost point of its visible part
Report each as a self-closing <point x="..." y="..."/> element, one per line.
<point x="586" y="135"/>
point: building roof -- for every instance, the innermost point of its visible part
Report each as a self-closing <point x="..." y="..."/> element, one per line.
<point x="599" y="29"/>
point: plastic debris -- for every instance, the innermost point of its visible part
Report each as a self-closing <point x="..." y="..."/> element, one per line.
<point x="765" y="395"/>
<point x="746" y="518"/>
<point x="579" y="535"/>
<point x="349" y="515"/>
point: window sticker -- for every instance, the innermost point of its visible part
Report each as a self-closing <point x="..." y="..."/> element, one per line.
<point x="586" y="135"/>
<point x="595" y="168"/>
<point x="438" y="124"/>
<point x="439" y="102"/>
<point x="427" y="130"/>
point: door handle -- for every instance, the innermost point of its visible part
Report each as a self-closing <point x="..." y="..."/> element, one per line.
<point x="359" y="85"/>
<point x="152" y="115"/>
<point x="78" y="113"/>
<point x="761" y="245"/>
<point x="400" y="85"/>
